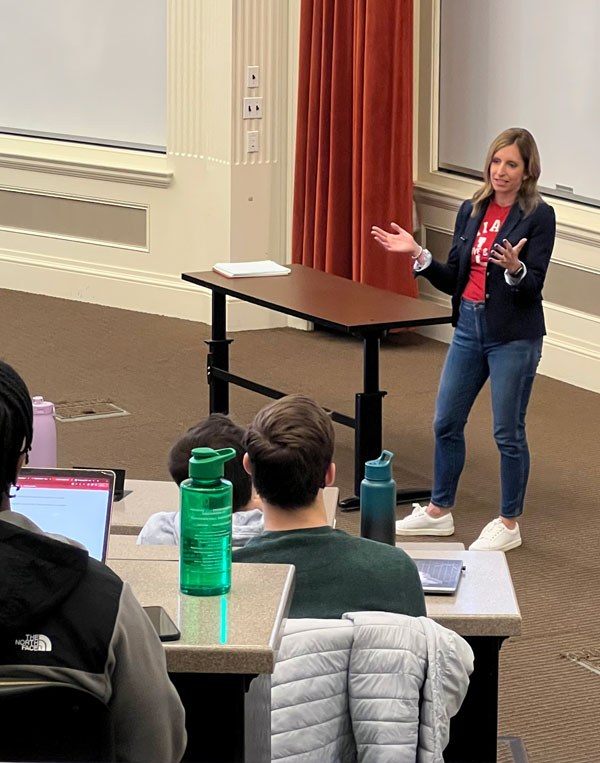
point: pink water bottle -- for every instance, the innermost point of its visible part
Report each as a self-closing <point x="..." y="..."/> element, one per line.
<point x="43" y="449"/>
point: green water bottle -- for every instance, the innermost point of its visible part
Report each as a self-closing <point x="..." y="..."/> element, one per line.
<point x="206" y="501"/>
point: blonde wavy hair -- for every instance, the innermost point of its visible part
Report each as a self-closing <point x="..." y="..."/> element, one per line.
<point x="528" y="197"/>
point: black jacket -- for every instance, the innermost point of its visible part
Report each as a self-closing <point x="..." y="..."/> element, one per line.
<point x="512" y="312"/>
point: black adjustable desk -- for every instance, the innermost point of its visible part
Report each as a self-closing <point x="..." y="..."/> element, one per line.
<point x="332" y="302"/>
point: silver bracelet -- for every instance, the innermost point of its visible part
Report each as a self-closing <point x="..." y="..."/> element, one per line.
<point x="416" y="256"/>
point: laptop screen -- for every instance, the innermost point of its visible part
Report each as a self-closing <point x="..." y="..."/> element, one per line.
<point x="68" y="502"/>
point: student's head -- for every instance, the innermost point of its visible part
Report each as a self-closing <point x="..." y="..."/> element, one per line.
<point x="216" y="431"/>
<point x="16" y="426"/>
<point x="290" y="451"/>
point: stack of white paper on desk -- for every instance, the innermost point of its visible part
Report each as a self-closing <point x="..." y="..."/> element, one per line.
<point x="250" y="269"/>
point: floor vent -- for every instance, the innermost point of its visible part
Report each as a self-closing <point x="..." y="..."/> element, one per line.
<point x="90" y="409"/>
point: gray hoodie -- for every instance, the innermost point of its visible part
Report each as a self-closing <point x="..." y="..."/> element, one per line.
<point x="66" y="617"/>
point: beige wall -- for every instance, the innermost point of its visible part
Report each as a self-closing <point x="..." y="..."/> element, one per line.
<point x="118" y="227"/>
<point x="567" y="286"/>
<point x="74" y="219"/>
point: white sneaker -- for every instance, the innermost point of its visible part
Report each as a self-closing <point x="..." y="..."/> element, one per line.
<point x="421" y="523"/>
<point x="496" y="536"/>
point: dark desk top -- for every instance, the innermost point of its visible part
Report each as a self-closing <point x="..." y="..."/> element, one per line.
<point x="327" y="300"/>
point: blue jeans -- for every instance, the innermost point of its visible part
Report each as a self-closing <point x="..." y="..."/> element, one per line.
<point x="511" y="367"/>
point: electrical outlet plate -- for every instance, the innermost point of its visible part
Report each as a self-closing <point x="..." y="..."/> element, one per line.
<point x="252" y="73"/>
<point x="253" y="108"/>
<point x="252" y="141"/>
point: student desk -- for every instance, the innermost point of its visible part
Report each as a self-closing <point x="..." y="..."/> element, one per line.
<point x="332" y="302"/>
<point x="484" y="611"/>
<point x="142" y="498"/>
<point x="221" y="666"/>
<point x="145" y="497"/>
<point x="125" y="548"/>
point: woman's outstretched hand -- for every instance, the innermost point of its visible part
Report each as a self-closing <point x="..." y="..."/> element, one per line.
<point x="399" y="240"/>
<point x="507" y="256"/>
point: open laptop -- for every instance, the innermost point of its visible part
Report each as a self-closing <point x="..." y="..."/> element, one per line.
<point x="439" y="575"/>
<point x="75" y="503"/>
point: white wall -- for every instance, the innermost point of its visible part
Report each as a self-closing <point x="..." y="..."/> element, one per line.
<point x="95" y="71"/>
<point x="523" y="63"/>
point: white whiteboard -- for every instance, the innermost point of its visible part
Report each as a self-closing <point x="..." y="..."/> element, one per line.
<point x="87" y="69"/>
<point x="523" y="63"/>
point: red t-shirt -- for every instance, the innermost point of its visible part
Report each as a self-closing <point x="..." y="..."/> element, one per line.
<point x="480" y="253"/>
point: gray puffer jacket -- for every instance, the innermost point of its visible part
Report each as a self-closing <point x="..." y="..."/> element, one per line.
<point x="374" y="687"/>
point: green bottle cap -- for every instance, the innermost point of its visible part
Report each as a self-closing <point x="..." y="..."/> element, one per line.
<point x="209" y="464"/>
<point x="380" y="468"/>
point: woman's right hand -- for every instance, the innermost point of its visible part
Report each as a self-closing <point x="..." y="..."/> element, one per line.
<point x="399" y="240"/>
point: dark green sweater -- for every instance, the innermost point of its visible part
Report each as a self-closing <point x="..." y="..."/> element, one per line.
<point x="337" y="572"/>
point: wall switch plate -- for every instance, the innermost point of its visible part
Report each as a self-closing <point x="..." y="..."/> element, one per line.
<point x="252" y="141"/>
<point x="252" y="73"/>
<point x="253" y="108"/>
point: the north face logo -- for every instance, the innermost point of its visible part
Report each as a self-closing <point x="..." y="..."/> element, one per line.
<point x="34" y="642"/>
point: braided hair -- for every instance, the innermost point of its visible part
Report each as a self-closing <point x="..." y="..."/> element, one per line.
<point x="16" y="425"/>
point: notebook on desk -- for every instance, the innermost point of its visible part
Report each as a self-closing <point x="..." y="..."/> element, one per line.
<point x="439" y="575"/>
<point x="75" y="503"/>
<point x="250" y="269"/>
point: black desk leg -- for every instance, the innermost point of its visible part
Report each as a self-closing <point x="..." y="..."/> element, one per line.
<point x="368" y="431"/>
<point x="228" y="717"/>
<point x="218" y="356"/>
<point x="474" y="729"/>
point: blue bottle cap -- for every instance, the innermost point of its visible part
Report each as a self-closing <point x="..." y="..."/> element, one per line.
<point x="380" y="468"/>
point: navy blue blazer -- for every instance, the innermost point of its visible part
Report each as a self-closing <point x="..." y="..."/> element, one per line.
<point x="512" y="312"/>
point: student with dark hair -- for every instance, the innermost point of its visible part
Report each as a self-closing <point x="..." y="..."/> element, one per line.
<point x="66" y="617"/>
<point x="289" y="454"/>
<point x="215" y="431"/>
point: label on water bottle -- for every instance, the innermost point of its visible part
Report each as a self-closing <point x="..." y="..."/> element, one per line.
<point x="205" y="567"/>
<point x="206" y="541"/>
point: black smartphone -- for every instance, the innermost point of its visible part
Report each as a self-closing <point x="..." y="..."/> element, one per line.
<point x="163" y="625"/>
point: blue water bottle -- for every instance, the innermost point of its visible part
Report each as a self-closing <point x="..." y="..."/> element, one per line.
<point x="378" y="500"/>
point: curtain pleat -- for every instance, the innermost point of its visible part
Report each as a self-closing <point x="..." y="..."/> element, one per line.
<point x="353" y="163"/>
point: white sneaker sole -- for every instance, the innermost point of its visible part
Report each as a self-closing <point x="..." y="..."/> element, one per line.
<point x="506" y="547"/>
<point x="425" y="531"/>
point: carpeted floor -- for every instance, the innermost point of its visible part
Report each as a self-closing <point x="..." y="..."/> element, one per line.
<point x="154" y="367"/>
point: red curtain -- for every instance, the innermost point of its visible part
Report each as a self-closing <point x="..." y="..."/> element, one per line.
<point x="354" y="138"/>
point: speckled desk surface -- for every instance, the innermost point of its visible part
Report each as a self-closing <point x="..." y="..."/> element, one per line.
<point x="235" y="633"/>
<point x="124" y="547"/>
<point x="485" y="603"/>
<point x="142" y="498"/>
<point x="146" y="497"/>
